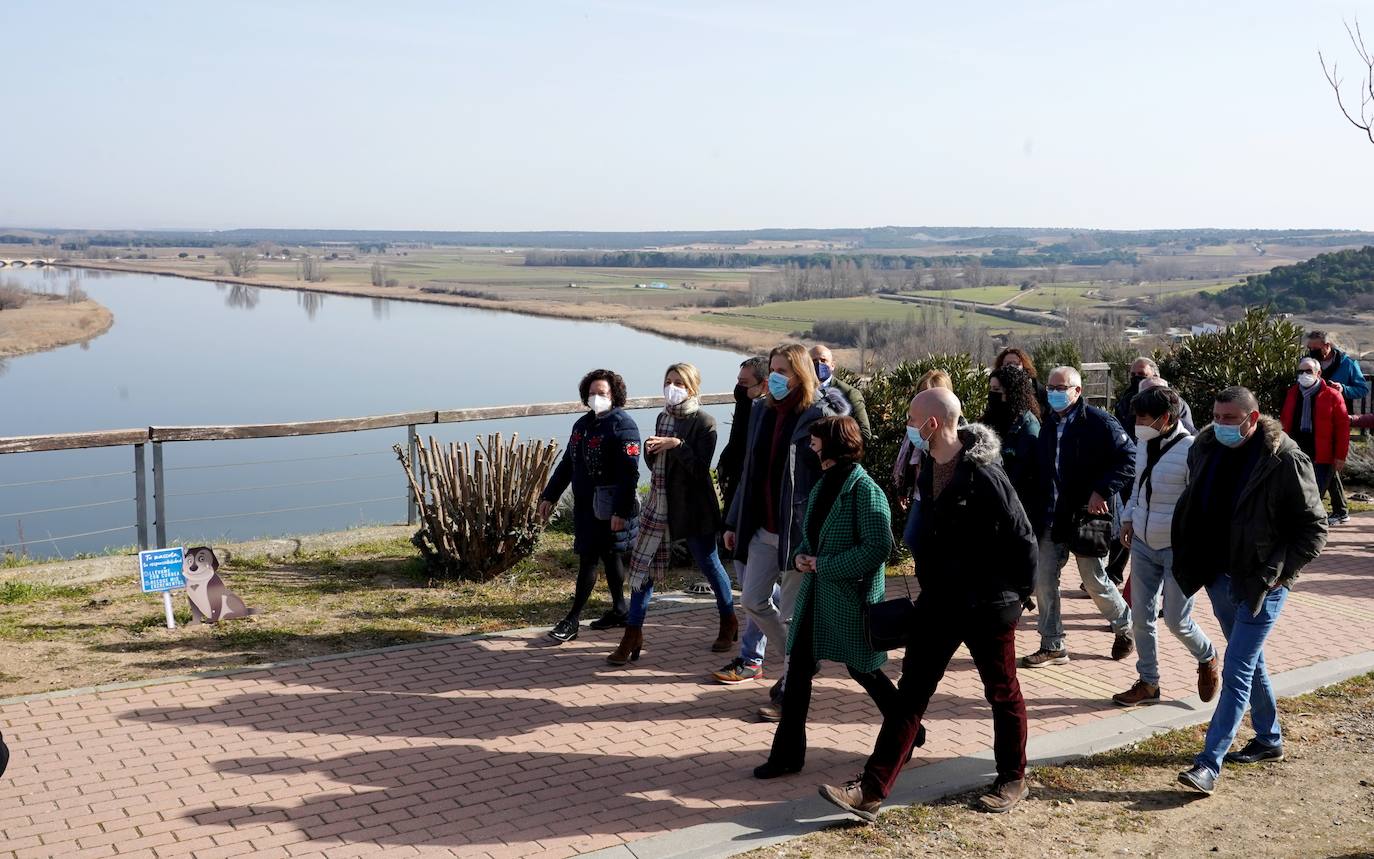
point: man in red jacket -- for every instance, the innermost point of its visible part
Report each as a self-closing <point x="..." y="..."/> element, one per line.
<point x="1314" y="416"/>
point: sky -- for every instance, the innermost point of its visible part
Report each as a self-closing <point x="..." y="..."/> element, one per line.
<point x="698" y="114"/>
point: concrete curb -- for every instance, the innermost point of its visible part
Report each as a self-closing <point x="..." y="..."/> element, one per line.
<point x="784" y="821"/>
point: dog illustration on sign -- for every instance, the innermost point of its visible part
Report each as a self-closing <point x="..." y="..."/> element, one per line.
<point x="211" y="599"/>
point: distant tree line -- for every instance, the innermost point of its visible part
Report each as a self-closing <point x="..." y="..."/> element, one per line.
<point x="1000" y="258"/>
<point x="1338" y="279"/>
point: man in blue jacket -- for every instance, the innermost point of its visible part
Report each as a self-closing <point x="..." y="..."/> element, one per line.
<point x="1344" y="372"/>
<point x="1086" y="459"/>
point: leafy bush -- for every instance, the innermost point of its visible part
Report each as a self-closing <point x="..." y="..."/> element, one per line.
<point x="1261" y="352"/>
<point x="1055" y="352"/>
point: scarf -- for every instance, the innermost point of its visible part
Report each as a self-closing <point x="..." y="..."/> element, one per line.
<point x="1308" y="395"/>
<point x="649" y="560"/>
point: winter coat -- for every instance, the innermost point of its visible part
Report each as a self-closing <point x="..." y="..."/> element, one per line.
<point x="1021" y="454"/>
<point x="974" y="545"/>
<point x="1277" y="528"/>
<point x="1095" y="455"/>
<point x="731" y="463"/>
<point x="858" y="410"/>
<point x="1346" y="372"/>
<point x="851" y="572"/>
<point x="1330" y="422"/>
<point x="693" y="507"/>
<point x="1153" y="518"/>
<point x="802" y="470"/>
<point x="603" y="451"/>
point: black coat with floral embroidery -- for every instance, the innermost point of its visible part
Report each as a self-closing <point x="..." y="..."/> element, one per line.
<point x="603" y="451"/>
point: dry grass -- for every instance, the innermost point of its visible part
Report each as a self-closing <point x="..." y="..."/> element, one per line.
<point x="50" y="321"/>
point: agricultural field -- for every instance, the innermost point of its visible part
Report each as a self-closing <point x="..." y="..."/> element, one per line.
<point x="789" y="316"/>
<point x="979" y="294"/>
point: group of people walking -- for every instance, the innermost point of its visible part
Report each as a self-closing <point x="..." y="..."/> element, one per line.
<point x="994" y="510"/>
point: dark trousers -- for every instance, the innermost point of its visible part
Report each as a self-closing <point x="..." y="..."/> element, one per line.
<point x="937" y="630"/>
<point x="1117" y="556"/>
<point x="586" y="581"/>
<point x="789" y="741"/>
<point x="1338" y="507"/>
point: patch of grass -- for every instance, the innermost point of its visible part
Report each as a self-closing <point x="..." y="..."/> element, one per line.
<point x="17" y="592"/>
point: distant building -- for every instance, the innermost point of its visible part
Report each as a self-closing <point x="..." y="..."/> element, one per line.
<point x="1206" y="328"/>
<point x="1136" y="332"/>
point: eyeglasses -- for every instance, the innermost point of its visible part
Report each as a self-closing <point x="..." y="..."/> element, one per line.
<point x="1061" y="387"/>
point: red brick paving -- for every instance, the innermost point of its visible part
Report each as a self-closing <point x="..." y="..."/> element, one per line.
<point x="501" y="747"/>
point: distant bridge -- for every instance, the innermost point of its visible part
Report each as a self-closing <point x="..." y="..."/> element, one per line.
<point x="21" y="262"/>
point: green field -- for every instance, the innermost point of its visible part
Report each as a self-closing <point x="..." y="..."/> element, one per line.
<point x="787" y="316"/>
<point x="1060" y="295"/>
<point x="979" y="294"/>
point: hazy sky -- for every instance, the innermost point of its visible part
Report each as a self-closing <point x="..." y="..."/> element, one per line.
<point x="631" y="114"/>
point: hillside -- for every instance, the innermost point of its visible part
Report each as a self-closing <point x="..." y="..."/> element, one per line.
<point x="1325" y="281"/>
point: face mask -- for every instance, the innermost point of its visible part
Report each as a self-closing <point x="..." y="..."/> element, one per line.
<point x="777" y="386"/>
<point x="742" y="394"/>
<point x="913" y="435"/>
<point x="674" y="395"/>
<point x="1229" y="435"/>
<point x="822" y="371"/>
<point x="1317" y="354"/>
<point x="1307" y="380"/>
<point x="1059" y="400"/>
<point x="599" y="404"/>
<point x="1146" y="433"/>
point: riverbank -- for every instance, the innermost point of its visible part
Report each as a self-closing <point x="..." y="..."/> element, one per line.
<point x="49" y="322"/>
<point x="689" y="325"/>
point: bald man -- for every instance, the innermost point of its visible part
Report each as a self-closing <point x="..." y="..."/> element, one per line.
<point x="833" y="386"/>
<point x="975" y="559"/>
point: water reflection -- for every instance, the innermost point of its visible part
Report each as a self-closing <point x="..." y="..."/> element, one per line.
<point x="242" y="296"/>
<point x="381" y="308"/>
<point x="311" y="301"/>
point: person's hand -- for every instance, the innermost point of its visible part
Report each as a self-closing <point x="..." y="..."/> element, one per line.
<point x="1338" y="465"/>
<point x="659" y="443"/>
<point x="1337" y="385"/>
<point x="806" y="563"/>
<point x="545" y="511"/>
<point x="617" y="524"/>
<point x="729" y="539"/>
<point x="1127" y="530"/>
<point x="1097" y="505"/>
<point x="904" y="502"/>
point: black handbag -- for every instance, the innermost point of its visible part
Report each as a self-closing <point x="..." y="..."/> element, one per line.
<point x="888" y="623"/>
<point x="1092" y="535"/>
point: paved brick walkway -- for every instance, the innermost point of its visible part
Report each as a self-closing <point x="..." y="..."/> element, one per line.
<point x="502" y="747"/>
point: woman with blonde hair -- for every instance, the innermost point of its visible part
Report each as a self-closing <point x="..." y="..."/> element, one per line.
<point x="764" y="525"/>
<point x="682" y="505"/>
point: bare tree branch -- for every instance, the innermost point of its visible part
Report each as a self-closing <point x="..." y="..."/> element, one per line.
<point x="1365" y="119"/>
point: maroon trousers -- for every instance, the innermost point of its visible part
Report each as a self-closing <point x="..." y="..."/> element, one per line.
<point x="937" y="630"/>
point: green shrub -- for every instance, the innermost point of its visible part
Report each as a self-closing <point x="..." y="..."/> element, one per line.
<point x="1055" y="352"/>
<point x="1261" y="352"/>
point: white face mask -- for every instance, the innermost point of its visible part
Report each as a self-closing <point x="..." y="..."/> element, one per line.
<point x="599" y="404"/>
<point x="1146" y="433"/>
<point x="674" y="395"/>
<point x="1307" y="380"/>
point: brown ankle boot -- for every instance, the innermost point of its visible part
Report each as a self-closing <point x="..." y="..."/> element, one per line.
<point x="728" y="634"/>
<point x="630" y="645"/>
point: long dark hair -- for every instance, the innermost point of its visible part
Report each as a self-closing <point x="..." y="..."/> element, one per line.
<point x="1018" y="391"/>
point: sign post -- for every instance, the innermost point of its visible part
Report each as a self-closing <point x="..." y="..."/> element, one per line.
<point x="161" y="570"/>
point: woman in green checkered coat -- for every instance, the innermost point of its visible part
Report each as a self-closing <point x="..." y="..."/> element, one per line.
<point x="843" y="554"/>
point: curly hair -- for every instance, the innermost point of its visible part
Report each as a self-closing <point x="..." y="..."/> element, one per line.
<point x="1026" y="363"/>
<point x="611" y="378"/>
<point x="1019" y="391"/>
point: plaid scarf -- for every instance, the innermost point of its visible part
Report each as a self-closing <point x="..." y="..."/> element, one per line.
<point x="1308" y="396"/>
<point x="649" y="560"/>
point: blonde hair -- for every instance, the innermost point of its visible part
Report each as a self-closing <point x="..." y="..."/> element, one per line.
<point x="934" y="379"/>
<point x="799" y="360"/>
<point x="691" y="377"/>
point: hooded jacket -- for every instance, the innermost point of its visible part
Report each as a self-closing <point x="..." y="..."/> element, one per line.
<point x="974" y="547"/>
<point x="1277" y="527"/>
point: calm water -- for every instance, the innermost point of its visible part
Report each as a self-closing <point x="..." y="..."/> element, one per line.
<point x="191" y="352"/>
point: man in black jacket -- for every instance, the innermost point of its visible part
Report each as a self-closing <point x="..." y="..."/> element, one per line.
<point x="975" y="559"/>
<point x="1086" y="459"/>
<point x="750" y="384"/>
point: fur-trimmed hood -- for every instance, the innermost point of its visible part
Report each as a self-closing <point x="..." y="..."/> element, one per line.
<point x="981" y="444"/>
<point x="1271" y="432"/>
<point x="836" y="401"/>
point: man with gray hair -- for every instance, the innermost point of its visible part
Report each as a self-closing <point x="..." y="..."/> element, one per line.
<point x="1344" y="374"/>
<point x="1086" y="459"/>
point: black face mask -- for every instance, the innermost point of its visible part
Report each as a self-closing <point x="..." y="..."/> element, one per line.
<point x="1317" y="354"/>
<point x="742" y="394"/>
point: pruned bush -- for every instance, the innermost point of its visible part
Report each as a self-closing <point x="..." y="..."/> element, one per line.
<point x="478" y="507"/>
<point x="1261" y="352"/>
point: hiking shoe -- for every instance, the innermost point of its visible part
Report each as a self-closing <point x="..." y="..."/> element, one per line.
<point x="1208" y="679"/>
<point x="1043" y="657"/>
<point x="770" y="713"/>
<point x="1122" y="647"/>
<point x="610" y="620"/>
<point x="737" y="672"/>
<point x="775" y="692"/>
<point x="851" y="797"/>
<point x="1139" y="693"/>
<point x="1003" y="796"/>
<point x="1255" y="752"/>
<point x="565" y="630"/>
<point x="1333" y="521"/>
<point x="1199" y="778"/>
<point x="699" y="589"/>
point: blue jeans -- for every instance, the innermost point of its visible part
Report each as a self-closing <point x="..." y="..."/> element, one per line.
<point x="1244" y="678"/>
<point x="706" y="555"/>
<point x="1152" y="572"/>
<point x="1093" y="572"/>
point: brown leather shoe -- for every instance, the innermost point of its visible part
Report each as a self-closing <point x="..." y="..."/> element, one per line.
<point x="1139" y="693"/>
<point x="630" y="645"/>
<point x="1122" y="647"/>
<point x="1003" y="796"/>
<point x="851" y="797"/>
<point x="1208" y="679"/>
<point x="728" y="634"/>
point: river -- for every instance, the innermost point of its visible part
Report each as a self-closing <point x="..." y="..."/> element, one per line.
<point x="193" y="352"/>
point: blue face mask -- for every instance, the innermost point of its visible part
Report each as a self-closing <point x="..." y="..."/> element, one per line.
<point x="1229" y="435"/>
<point x="822" y="371"/>
<point x="913" y="435"/>
<point x="777" y="386"/>
<point x="1059" y="400"/>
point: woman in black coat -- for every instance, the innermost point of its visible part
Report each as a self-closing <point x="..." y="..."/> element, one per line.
<point x="1014" y="414"/>
<point x="683" y="505"/>
<point x="601" y="463"/>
